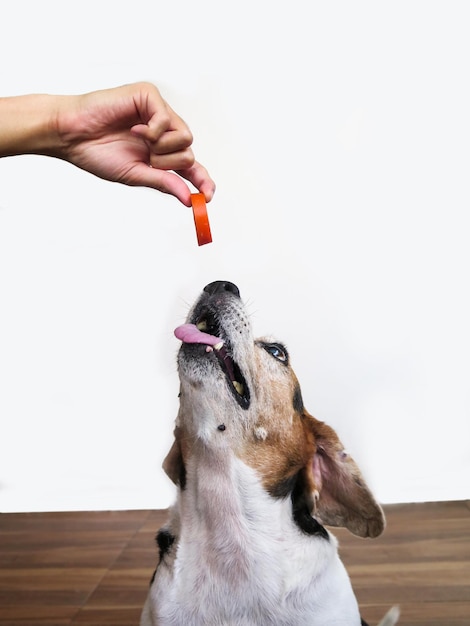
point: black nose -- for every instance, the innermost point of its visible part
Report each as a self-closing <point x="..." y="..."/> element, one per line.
<point x="219" y="286"/>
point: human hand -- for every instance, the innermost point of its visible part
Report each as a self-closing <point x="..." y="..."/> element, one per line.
<point x="129" y="134"/>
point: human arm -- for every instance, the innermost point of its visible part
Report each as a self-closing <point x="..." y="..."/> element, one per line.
<point x="126" y="134"/>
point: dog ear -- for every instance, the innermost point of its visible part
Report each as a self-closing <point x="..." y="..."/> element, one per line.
<point x="341" y="496"/>
<point x="173" y="463"/>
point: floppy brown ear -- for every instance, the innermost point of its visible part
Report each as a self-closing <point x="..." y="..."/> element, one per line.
<point x="173" y="463"/>
<point x="342" y="497"/>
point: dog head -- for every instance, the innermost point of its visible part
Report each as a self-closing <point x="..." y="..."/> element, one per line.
<point x="239" y="395"/>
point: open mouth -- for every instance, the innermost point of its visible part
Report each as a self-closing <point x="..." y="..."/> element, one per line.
<point x="207" y="331"/>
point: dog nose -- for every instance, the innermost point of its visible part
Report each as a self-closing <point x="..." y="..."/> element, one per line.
<point x="219" y="286"/>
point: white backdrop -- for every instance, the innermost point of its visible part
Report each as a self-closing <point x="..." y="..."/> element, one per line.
<point x="338" y="135"/>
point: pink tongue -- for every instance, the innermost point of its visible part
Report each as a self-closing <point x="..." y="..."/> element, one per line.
<point x="189" y="333"/>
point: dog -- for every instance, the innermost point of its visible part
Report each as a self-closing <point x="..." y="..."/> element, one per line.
<point x="258" y="479"/>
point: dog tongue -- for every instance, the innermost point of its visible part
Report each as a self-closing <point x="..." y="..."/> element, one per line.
<point x="190" y="333"/>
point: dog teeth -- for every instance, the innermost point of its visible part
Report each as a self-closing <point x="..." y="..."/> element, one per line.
<point x="202" y="325"/>
<point x="238" y="386"/>
<point x="217" y="346"/>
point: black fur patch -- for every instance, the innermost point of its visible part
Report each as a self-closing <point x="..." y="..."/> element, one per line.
<point x="301" y="510"/>
<point x="309" y="524"/>
<point x="363" y="623"/>
<point x="164" y="542"/>
<point x="182" y="477"/>
<point x="297" y="401"/>
<point x="283" y="488"/>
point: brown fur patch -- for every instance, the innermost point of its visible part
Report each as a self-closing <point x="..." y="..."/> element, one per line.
<point x="281" y="455"/>
<point x="288" y="445"/>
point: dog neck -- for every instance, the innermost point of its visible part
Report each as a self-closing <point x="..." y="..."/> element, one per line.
<point x="222" y="494"/>
<point x="230" y="524"/>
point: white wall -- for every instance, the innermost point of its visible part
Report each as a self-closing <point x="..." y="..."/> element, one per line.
<point x="339" y="139"/>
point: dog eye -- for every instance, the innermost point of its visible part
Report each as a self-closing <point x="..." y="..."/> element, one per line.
<point x="277" y="351"/>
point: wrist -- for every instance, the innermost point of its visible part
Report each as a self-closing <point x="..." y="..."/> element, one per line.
<point x="29" y="125"/>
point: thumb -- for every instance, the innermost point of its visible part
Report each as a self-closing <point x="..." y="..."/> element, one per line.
<point x="143" y="175"/>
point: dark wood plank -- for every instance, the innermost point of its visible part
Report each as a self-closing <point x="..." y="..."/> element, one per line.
<point x="421" y="563"/>
<point x="51" y="563"/>
<point x="93" y="569"/>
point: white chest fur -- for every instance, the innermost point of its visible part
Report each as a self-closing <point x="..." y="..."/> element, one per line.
<point x="242" y="561"/>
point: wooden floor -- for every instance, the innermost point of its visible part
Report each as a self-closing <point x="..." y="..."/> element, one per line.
<point x="94" y="568"/>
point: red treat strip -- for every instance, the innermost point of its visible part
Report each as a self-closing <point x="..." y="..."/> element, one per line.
<point x="201" y="219"/>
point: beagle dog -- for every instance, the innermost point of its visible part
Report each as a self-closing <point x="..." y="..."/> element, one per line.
<point x="258" y="478"/>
